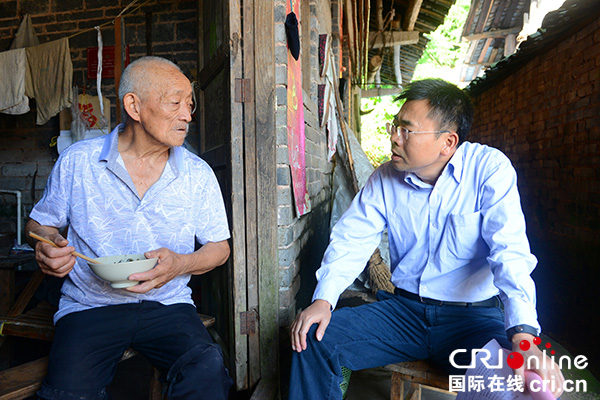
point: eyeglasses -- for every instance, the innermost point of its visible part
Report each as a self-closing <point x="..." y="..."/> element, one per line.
<point x="393" y="129"/>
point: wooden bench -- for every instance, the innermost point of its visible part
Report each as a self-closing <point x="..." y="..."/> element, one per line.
<point x="416" y="374"/>
<point x="24" y="380"/>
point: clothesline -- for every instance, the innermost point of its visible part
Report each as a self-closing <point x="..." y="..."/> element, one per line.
<point x="122" y="13"/>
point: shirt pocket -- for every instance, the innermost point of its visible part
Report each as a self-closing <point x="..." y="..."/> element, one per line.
<point x="463" y="236"/>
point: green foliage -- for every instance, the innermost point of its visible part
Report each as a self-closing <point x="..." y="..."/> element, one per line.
<point x="446" y="48"/>
<point x="375" y="139"/>
<point x="441" y="59"/>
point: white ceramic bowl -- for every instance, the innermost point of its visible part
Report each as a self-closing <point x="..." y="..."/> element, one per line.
<point x="117" y="269"/>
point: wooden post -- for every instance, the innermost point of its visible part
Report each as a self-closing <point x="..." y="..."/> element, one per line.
<point x="118" y="64"/>
<point x="350" y="29"/>
<point x="374" y="67"/>
<point x="397" y="64"/>
<point x="266" y="185"/>
<point x="252" y="196"/>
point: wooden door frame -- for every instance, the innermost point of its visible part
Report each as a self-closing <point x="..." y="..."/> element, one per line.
<point x="266" y="186"/>
<point x="254" y="355"/>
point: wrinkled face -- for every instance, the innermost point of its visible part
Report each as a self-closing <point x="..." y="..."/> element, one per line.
<point x="420" y="151"/>
<point x="166" y="108"/>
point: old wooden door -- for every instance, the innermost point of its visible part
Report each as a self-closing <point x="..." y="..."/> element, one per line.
<point x="229" y="292"/>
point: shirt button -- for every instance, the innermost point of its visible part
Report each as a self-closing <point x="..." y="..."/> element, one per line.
<point x="424" y="288"/>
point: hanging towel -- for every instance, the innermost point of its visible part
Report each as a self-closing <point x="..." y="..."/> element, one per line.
<point x="13" y="64"/>
<point x="49" y="78"/>
<point x="25" y="36"/>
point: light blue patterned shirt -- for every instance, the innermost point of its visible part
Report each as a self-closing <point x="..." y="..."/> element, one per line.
<point x="460" y="240"/>
<point x="90" y="190"/>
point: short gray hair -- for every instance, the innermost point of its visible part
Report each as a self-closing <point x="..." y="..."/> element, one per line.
<point x="134" y="78"/>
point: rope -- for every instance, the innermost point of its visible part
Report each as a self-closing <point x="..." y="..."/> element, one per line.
<point x="122" y="13"/>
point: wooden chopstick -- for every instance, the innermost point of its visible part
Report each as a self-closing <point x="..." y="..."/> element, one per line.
<point x="51" y="243"/>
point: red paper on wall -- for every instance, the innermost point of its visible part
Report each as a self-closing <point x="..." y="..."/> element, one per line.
<point x="108" y="61"/>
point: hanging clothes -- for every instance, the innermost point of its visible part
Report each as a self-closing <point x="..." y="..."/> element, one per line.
<point x="49" y="78"/>
<point x="13" y="64"/>
<point x="25" y="36"/>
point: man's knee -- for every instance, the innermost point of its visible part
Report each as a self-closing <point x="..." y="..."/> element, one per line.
<point x="199" y="370"/>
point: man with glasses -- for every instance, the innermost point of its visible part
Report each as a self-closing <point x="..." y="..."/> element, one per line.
<point x="460" y="258"/>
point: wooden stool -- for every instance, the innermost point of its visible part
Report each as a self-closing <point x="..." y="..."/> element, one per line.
<point x="416" y="374"/>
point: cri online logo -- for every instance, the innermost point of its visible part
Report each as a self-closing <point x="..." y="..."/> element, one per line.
<point x="515" y="359"/>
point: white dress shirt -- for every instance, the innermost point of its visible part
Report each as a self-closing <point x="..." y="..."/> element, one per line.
<point x="462" y="239"/>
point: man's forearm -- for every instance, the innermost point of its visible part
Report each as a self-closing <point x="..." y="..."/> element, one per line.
<point x="208" y="257"/>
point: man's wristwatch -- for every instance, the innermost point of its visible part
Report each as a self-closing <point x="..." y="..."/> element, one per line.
<point x="521" y="329"/>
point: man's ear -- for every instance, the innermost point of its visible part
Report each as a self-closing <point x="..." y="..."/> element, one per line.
<point x="450" y="144"/>
<point x="131" y="105"/>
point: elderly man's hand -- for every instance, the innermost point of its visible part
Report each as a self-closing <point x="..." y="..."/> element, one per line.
<point x="170" y="265"/>
<point x="548" y="371"/>
<point x="55" y="261"/>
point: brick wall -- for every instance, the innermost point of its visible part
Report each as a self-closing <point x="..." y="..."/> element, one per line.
<point x="26" y="157"/>
<point x="302" y="240"/>
<point x="544" y="116"/>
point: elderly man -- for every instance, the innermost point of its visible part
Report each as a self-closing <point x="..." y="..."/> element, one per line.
<point x="458" y="252"/>
<point x="135" y="190"/>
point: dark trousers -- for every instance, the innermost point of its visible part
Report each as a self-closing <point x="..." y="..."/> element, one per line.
<point x="391" y="330"/>
<point x="89" y="344"/>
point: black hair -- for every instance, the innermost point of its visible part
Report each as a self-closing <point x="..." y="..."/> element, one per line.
<point x="450" y="106"/>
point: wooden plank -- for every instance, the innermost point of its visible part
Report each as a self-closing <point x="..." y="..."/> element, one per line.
<point x="510" y="44"/>
<point x="266" y="185"/>
<point x="510" y="13"/>
<point x="488" y="42"/>
<point x="469" y="23"/>
<point x="412" y="13"/>
<point x="421" y="372"/>
<point x="483" y="15"/>
<point x="393" y="38"/>
<point x="267" y="389"/>
<point x="492" y="56"/>
<point x="200" y="111"/>
<point x="349" y="24"/>
<point x="252" y="196"/>
<point x="381" y="92"/>
<point x="24" y="380"/>
<point x="238" y="217"/>
<point x="118" y="64"/>
<point x="7" y="290"/>
<point x="493" y="33"/>
<point x="498" y="16"/>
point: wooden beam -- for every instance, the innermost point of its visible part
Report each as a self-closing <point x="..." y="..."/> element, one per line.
<point x="412" y="13"/>
<point x="380" y="92"/>
<point x="395" y="38"/>
<point x="483" y="15"/>
<point x="493" y="33"/>
<point x="488" y="42"/>
<point x="470" y="18"/>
